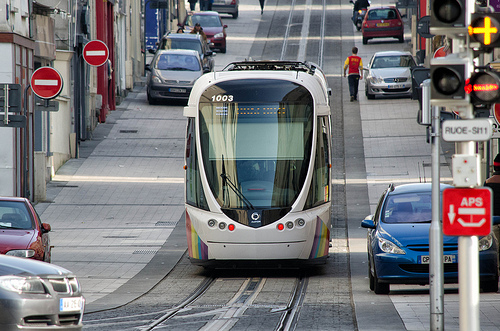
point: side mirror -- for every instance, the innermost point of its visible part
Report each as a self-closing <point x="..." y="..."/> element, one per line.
<point x="225" y="26"/>
<point x="206" y="70"/>
<point x="151" y="51"/>
<point x="368" y="222"/>
<point x="350" y="1"/>
<point x="46" y="227"/>
<point x="147" y="67"/>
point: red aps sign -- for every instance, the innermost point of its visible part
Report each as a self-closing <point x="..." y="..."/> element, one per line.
<point x="46" y="82"/>
<point x="95" y="53"/>
<point x="467" y="211"/>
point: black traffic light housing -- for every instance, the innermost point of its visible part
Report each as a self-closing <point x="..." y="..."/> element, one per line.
<point x="484" y="31"/>
<point x="448" y="75"/>
<point x="448" y="17"/>
<point x="484" y="87"/>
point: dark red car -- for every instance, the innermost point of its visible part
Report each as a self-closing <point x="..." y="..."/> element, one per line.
<point x="21" y="231"/>
<point x="383" y="22"/>
<point x="212" y="25"/>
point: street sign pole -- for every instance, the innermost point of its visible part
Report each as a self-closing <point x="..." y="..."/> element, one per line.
<point x="436" y="270"/>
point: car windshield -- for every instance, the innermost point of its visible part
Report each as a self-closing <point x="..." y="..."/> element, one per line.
<point x="209" y="21"/>
<point x="183" y="44"/>
<point x="177" y="62"/>
<point x="393" y="61"/>
<point x="13" y="215"/>
<point x="408" y="208"/>
<point x="382" y="14"/>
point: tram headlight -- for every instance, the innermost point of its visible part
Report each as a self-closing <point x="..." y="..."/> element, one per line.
<point x="222" y="225"/>
<point x="212" y="223"/>
<point x="300" y="222"/>
<point x="289" y="225"/>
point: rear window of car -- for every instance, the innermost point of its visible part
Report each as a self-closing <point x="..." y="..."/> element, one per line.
<point x="195" y="45"/>
<point x="393" y="62"/>
<point x="204" y="20"/>
<point x="408" y="208"/>
<point x="382" y="14"/>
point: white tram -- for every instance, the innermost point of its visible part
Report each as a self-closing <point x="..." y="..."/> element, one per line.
<point x="258" y="169"/>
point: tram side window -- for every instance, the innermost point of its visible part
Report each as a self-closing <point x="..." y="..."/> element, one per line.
<point x="319" y="190"/>
<point x="194" y="188"/>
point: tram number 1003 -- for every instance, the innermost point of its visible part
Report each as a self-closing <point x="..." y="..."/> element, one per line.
<point x="222" y="98"/>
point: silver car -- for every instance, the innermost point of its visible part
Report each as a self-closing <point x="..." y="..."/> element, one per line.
<point x="36" y="295"/>
<point x="389" y="73"/>
<point x="226" y="7"/>
<point x="172" y="74"/>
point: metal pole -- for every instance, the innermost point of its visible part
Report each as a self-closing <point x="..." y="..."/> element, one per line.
<point x="436" y="273"/>
<point x="468" y="287"/>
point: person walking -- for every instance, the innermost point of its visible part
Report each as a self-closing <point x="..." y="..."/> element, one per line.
<point x="355" y="66"/>
<point x="261" y="6"/>
<point x="192" y="4"/>
<point x="197" y="29"/>
<point x="494" y="183"/>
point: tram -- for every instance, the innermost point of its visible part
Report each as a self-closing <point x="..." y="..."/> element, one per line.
<point x="258" y="165"/>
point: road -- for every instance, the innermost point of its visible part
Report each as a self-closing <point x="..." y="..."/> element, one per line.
<point x="117" y="211"/>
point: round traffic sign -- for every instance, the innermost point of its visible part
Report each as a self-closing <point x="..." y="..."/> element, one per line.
<point x="95" y="53"/>
<point x="46" y="82"/>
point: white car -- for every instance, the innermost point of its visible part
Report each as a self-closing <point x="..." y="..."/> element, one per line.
<point x="389" y="73"/>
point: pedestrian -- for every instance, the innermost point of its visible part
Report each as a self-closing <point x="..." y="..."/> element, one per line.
<point x="204" y="5"/>
<point x="261" y="6"/>
<point x="192" y="4"/>
<point x="494" y="183"/>
<point x="197" y="29"/>
<point x="355" y="66"/>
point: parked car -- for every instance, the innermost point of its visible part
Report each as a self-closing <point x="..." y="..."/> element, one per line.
<point x="212" y="25"/>
<point x="383" y="22"/>
<point x="22" y="233"/>
<point x="389" y="73"/>
<point x="36" y="295"/>
<point x="189" y="41"/>
<point x="172" y="74"/>
<point x="398" y="242"/>
<point x="226" y="7"/>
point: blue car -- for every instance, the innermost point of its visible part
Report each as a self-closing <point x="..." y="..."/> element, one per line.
<point x="398" y="242"/>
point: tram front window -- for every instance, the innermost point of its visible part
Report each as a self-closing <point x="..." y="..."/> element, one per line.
<point x="256" y="155"/>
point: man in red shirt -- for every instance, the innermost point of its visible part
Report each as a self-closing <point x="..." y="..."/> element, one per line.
<point x="355" y="66"/>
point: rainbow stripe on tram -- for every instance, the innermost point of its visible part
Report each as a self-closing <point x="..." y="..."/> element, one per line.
<point x="197" y="248"/>
<point x="321" y="237"/>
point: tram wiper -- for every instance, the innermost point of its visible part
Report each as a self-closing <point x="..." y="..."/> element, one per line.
<point x="226" y="181"/>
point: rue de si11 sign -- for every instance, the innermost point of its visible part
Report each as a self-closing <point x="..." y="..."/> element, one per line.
<point x="467" y="211"/>
<point x="467" y="130"/>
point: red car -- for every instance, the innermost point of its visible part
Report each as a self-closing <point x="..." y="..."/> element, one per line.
<point x="21" y="231"/>
<point x="212" y="25"/>
<point x="383" y="22"/>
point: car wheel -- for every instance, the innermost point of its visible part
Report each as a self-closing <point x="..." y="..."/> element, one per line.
<point x="401" y="39"/>
<point x="370" y="276"/>
<point x="378" y="287"/>
<point x="151" y="100"/>
<point x="368" y="95"/>
<point x="358" y="26"/>
<point x="365" y="41"/>
<point x="490" y="286"/>
<point x="223" y="50"/>
<point x="235" y="15"/>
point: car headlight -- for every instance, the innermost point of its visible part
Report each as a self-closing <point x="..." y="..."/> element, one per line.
<point x="485" y="243"/>
<point x="376" y="80"/>
<point x="22" y="284"/>
<point x="156" y="79"/>
<point x="21" y="252"/>
<point x="389" y="247"/>
<point x="219" y="35"/>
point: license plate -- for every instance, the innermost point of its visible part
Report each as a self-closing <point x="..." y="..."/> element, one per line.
<point x="383" y="24"/>
<point x="395" y="86"/>
<point x="71" y="304"/>
<point x="177" y="90"/>
<point x="425" y="259"/>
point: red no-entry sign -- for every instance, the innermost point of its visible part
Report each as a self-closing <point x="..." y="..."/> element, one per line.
<point x="467" y="211"/>
<point x="95" y="53"/>
<point x="46" y="82"/>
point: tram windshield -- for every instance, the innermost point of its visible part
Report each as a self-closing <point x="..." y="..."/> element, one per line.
<point x="256" y="142"/>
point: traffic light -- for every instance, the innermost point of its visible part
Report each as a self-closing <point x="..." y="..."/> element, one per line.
<point x="484" y="87"/>
<point x="484" y="31"/>
<point x="449" y="17"/>
<point x="448" y="76"/>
